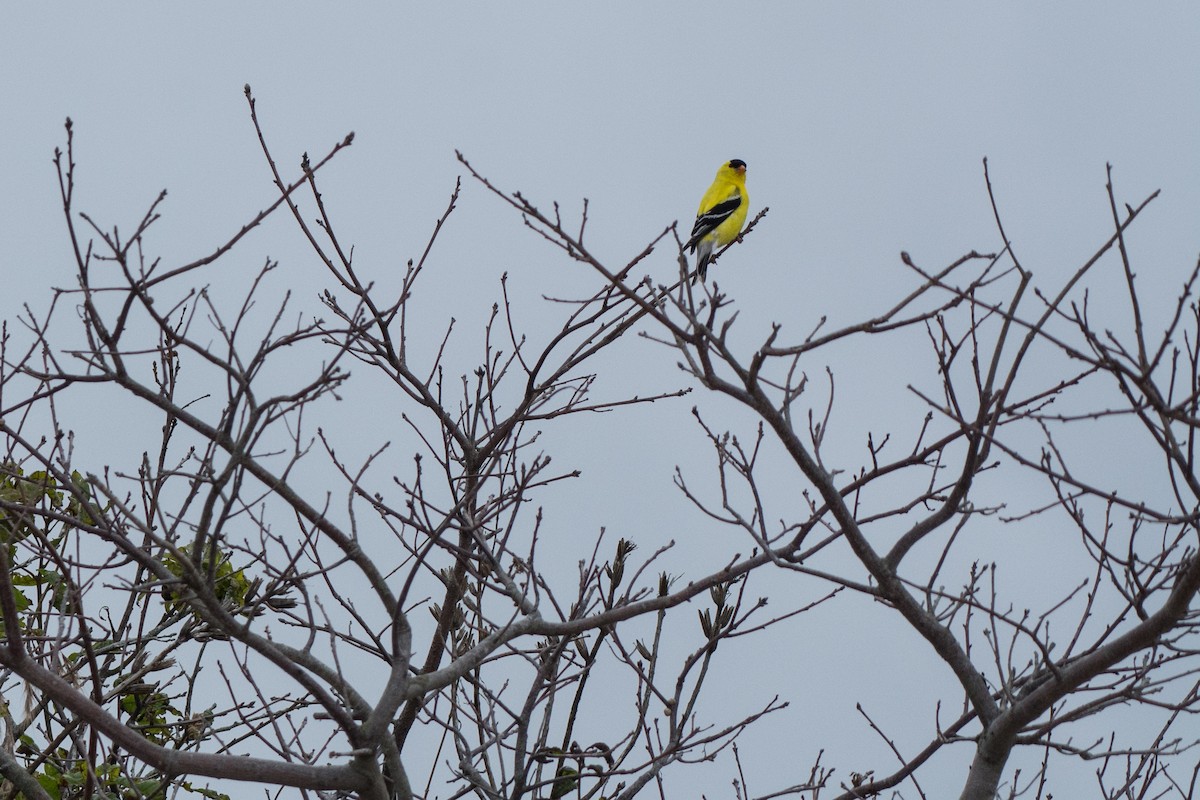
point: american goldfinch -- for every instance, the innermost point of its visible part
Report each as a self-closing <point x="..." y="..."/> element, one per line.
<point x="722" y="213"/>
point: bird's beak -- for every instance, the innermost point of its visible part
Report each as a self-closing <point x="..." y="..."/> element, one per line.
<point x="742" y="170"/>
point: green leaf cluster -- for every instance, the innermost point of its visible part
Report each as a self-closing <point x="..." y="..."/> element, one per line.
<point x="230" y="585"/>
<point x="35" y="505"/>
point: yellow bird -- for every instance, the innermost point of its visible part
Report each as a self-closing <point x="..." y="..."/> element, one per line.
<point x="722" y="213"/>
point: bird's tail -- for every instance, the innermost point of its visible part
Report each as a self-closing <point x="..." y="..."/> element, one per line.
<point x="703" y="256"/>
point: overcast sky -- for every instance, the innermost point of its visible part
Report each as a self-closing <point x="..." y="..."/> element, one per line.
<point x="864" y="125"/>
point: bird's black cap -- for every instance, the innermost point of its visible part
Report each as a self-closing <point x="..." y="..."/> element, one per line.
<point x="737" y="163"/>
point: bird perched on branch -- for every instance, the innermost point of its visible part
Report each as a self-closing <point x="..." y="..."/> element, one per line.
<point x="722" y="213"/>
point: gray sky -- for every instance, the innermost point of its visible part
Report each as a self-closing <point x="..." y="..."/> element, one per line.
<point x="864" y="126"/>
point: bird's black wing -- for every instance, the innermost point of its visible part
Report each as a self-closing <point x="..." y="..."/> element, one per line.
<point x="707" y="222"/>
